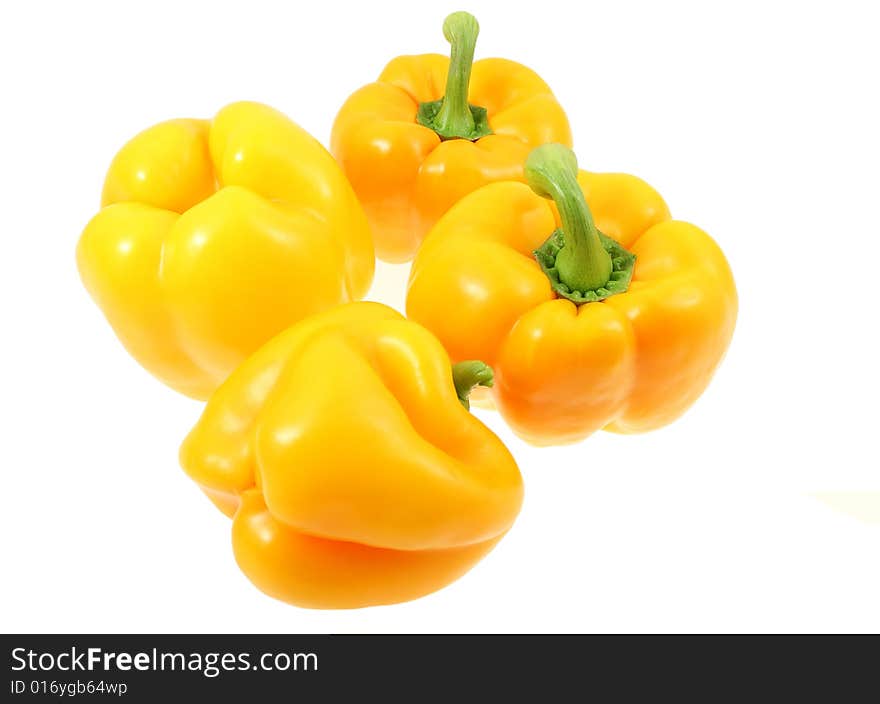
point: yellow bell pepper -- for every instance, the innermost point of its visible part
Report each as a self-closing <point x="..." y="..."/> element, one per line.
<point x="215" y="235"/>
<point x="412" y="149"/>
<point x="354" y="474"/>
<point x="608" y="315"/>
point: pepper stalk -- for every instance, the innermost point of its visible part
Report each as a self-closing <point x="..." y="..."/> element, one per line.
<point x="452" y="117"/>
<point x="469" y="374"/>
<point x="583" y="265"/>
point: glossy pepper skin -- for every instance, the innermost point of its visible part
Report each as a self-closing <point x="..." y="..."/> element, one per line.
<point x="352" y="471"/>
<point x="630" y="362"/>
<point x="215" y="235"/>
<point x="408" y="173"/>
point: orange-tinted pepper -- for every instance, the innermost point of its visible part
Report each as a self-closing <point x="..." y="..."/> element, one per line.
<point x="616" y="323"/>
<point x="412" y="149"/>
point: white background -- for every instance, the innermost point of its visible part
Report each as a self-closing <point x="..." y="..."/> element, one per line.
<point x="759" y="510"/>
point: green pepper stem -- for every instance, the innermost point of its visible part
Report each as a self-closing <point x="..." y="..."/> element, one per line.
<point x="454" y="119"/>
<point x="582" y="263"/>
<point x="467" y="375"/>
